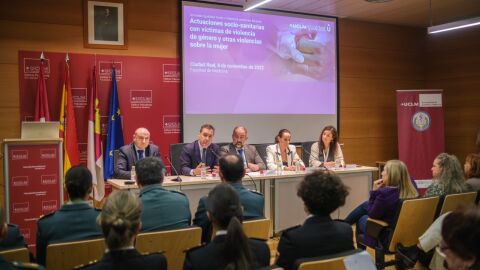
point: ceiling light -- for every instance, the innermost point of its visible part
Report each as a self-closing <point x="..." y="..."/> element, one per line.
<point x="249" y="5"/>
<point x="454" y="25"/>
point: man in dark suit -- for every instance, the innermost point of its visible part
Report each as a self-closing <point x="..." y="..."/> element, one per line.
<point x="162" y="209"/>
<point x="75" y="220"/>
<point x="200" y="153"/>
<point x="129" y="154"/>
<point x="231" y="172"/>
<point x="322" y="193"/>
<point x="249" y="154"/>
<point x="13" y="238"/>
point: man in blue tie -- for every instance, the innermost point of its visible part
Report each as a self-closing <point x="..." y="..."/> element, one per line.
<point x="248" y="153"/>
<point x="129" y="154"/>
<point x="200" y="153"/>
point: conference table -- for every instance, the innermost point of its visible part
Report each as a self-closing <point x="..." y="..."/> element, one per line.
<point x="282" y="205"/>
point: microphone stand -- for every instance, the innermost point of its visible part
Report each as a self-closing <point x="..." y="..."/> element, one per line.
<point x="178" y="179"/>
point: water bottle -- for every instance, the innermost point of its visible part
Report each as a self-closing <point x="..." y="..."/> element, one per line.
<point x="133" y="175"/>
<point x="297" y="166"/>
<point x="203" y="172"/>
<point x="279" y="167"/>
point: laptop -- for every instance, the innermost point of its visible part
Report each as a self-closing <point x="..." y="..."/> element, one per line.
<point x="40" y="130"/>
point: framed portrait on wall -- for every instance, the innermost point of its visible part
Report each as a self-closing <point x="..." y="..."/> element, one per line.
<point x="104" y="24"/>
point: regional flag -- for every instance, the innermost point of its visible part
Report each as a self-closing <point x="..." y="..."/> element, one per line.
<point x="94" y="151"/>
<point x="41" y="101"/>
<point x="68" y="127"/>
<point x="115" y="133"/>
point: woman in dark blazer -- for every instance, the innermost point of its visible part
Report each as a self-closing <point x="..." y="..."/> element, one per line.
<point x="120" y="222"/>
<point x="230" y="249"/>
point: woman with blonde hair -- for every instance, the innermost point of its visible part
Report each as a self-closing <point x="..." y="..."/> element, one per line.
<point x="384" y="198"/>
<point x="120" y="222"/>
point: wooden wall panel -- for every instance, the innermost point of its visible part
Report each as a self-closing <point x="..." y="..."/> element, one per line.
<point x="367" y="151"/>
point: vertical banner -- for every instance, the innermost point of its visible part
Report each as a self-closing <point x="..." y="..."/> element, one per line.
<point x="33" y="185"/>
<point x="421" y="135"/>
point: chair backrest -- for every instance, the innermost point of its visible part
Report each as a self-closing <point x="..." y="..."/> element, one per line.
<point x="70" y="254"/>
<point x="257" y="228"/>
<point x="173" y="242"/>
<point x="262" y="151"/>
<point x="15" y="255"/>
<point x="413" y="219"/>
<point x="305" y="156"/>
<point x="330" y="262"/>
<point x="175" y="151"/>
<point x="452" y="201"/>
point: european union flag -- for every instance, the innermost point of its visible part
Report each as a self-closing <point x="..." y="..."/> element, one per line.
<point x="115" y="133"/>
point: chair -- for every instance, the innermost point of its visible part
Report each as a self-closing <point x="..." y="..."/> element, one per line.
<point x="17" y="254"/>
<point x="173" y="242"/>
<point x="175" y="152"/>
<point x="329" y="262"/>
<point x="413" y="218"/>
<point x="257" y="228"/>
<point x="262" y="151"/>
<point x="452" y="201"/>
<point x="70" y="254"/>
<point x="306" y="156"/>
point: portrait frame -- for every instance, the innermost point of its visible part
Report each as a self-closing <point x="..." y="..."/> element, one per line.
<point x="105" y="24"/>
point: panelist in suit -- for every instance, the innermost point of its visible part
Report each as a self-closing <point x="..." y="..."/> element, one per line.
<point x="249" y="154"/>
<point x="230" y="249"/>
<point x="327" y="152"/>
<point x="231" y="172"/>
<point x="129" y="154"/>
<point x="282" y="153"/>
<point x="75" y="220"/>
<point x="120" y="222"/>
<point x="162" y="209"/>
<point x="322" y="193"/>
<point x="200" y="153"/>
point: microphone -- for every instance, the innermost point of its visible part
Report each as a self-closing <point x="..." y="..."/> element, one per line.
<point x="215" y="154"/>
<point x="322" y="165"/>
<point x="178" y="179"/>
<point x="253" y="181"/>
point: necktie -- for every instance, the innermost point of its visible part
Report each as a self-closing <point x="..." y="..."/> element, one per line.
<point x="204" y="156"/>
<point x="140" y="154"/>
<point x="240" y="153"/>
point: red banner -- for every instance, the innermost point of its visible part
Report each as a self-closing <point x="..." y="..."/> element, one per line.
<point x="421" y="135"/>
<point x="148" y="88"/>
<point x="33" y="187"/>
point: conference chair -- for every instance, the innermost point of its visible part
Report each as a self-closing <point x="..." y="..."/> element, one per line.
<point x="413" y="218"/>
<point x="262" y="151"/>
<point x="16" y="255"/>
<point x="257" y="228"/>
<point x="451" y="202"/>
<point x="306" y="156"/>
<point x="175" y="152"/>
<point x="329" y="262"/>
<point x="173" y="243"/>
<point x="63" y="256"/>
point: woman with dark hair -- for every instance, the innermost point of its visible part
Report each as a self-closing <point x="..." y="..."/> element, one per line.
<point x="322" y="192"/>
<point x="120" y="222"/>
<point x="447" y="176"/>
<point x="461" y="239"/>
<point x="472" y="171"/>
<point x="282" y="154"/>
<point x="230" y="249"/>
<point x="326" y="152"/>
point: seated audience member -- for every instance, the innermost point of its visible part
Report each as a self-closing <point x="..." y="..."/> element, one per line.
<point x="231" y="172"/>
<point x="249" y="154"/>
<point x="4" y="265"/>
<point x="75" y="220"/>
<point x="472" y="171"/>
<point x="200" y="153"/>
<point x="447" y="176"/>
<point x="162" y="209"/>
<point x="461" y="238"/>
<point x="230" y="249"/>
<point x="120" y="222"/>
<point x="384" y="198"/>
<point x="326" y="151"/>
<point x="129" y="154"/>
<point x="322" y="193"/>
<point x="13" y="238"/>
<point x="282" y="153"/>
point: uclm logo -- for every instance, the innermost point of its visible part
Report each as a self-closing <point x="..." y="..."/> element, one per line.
<point x="21" y="208"/>
<point x="49" y="179"/>
<point x="49" y="205"/>
<point x="48" y="153"/>
<point x="19" y="154"/>
<point x="409" y="104"/>
<point x="20" y="181"/>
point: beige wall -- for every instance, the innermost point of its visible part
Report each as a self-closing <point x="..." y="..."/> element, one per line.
<point x="375" y="60"/>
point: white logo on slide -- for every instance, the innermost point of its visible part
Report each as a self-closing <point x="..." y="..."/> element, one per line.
<point x="421" y="121"/>
<point x="21" y="208"/>
<point x="19" y="181"/>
